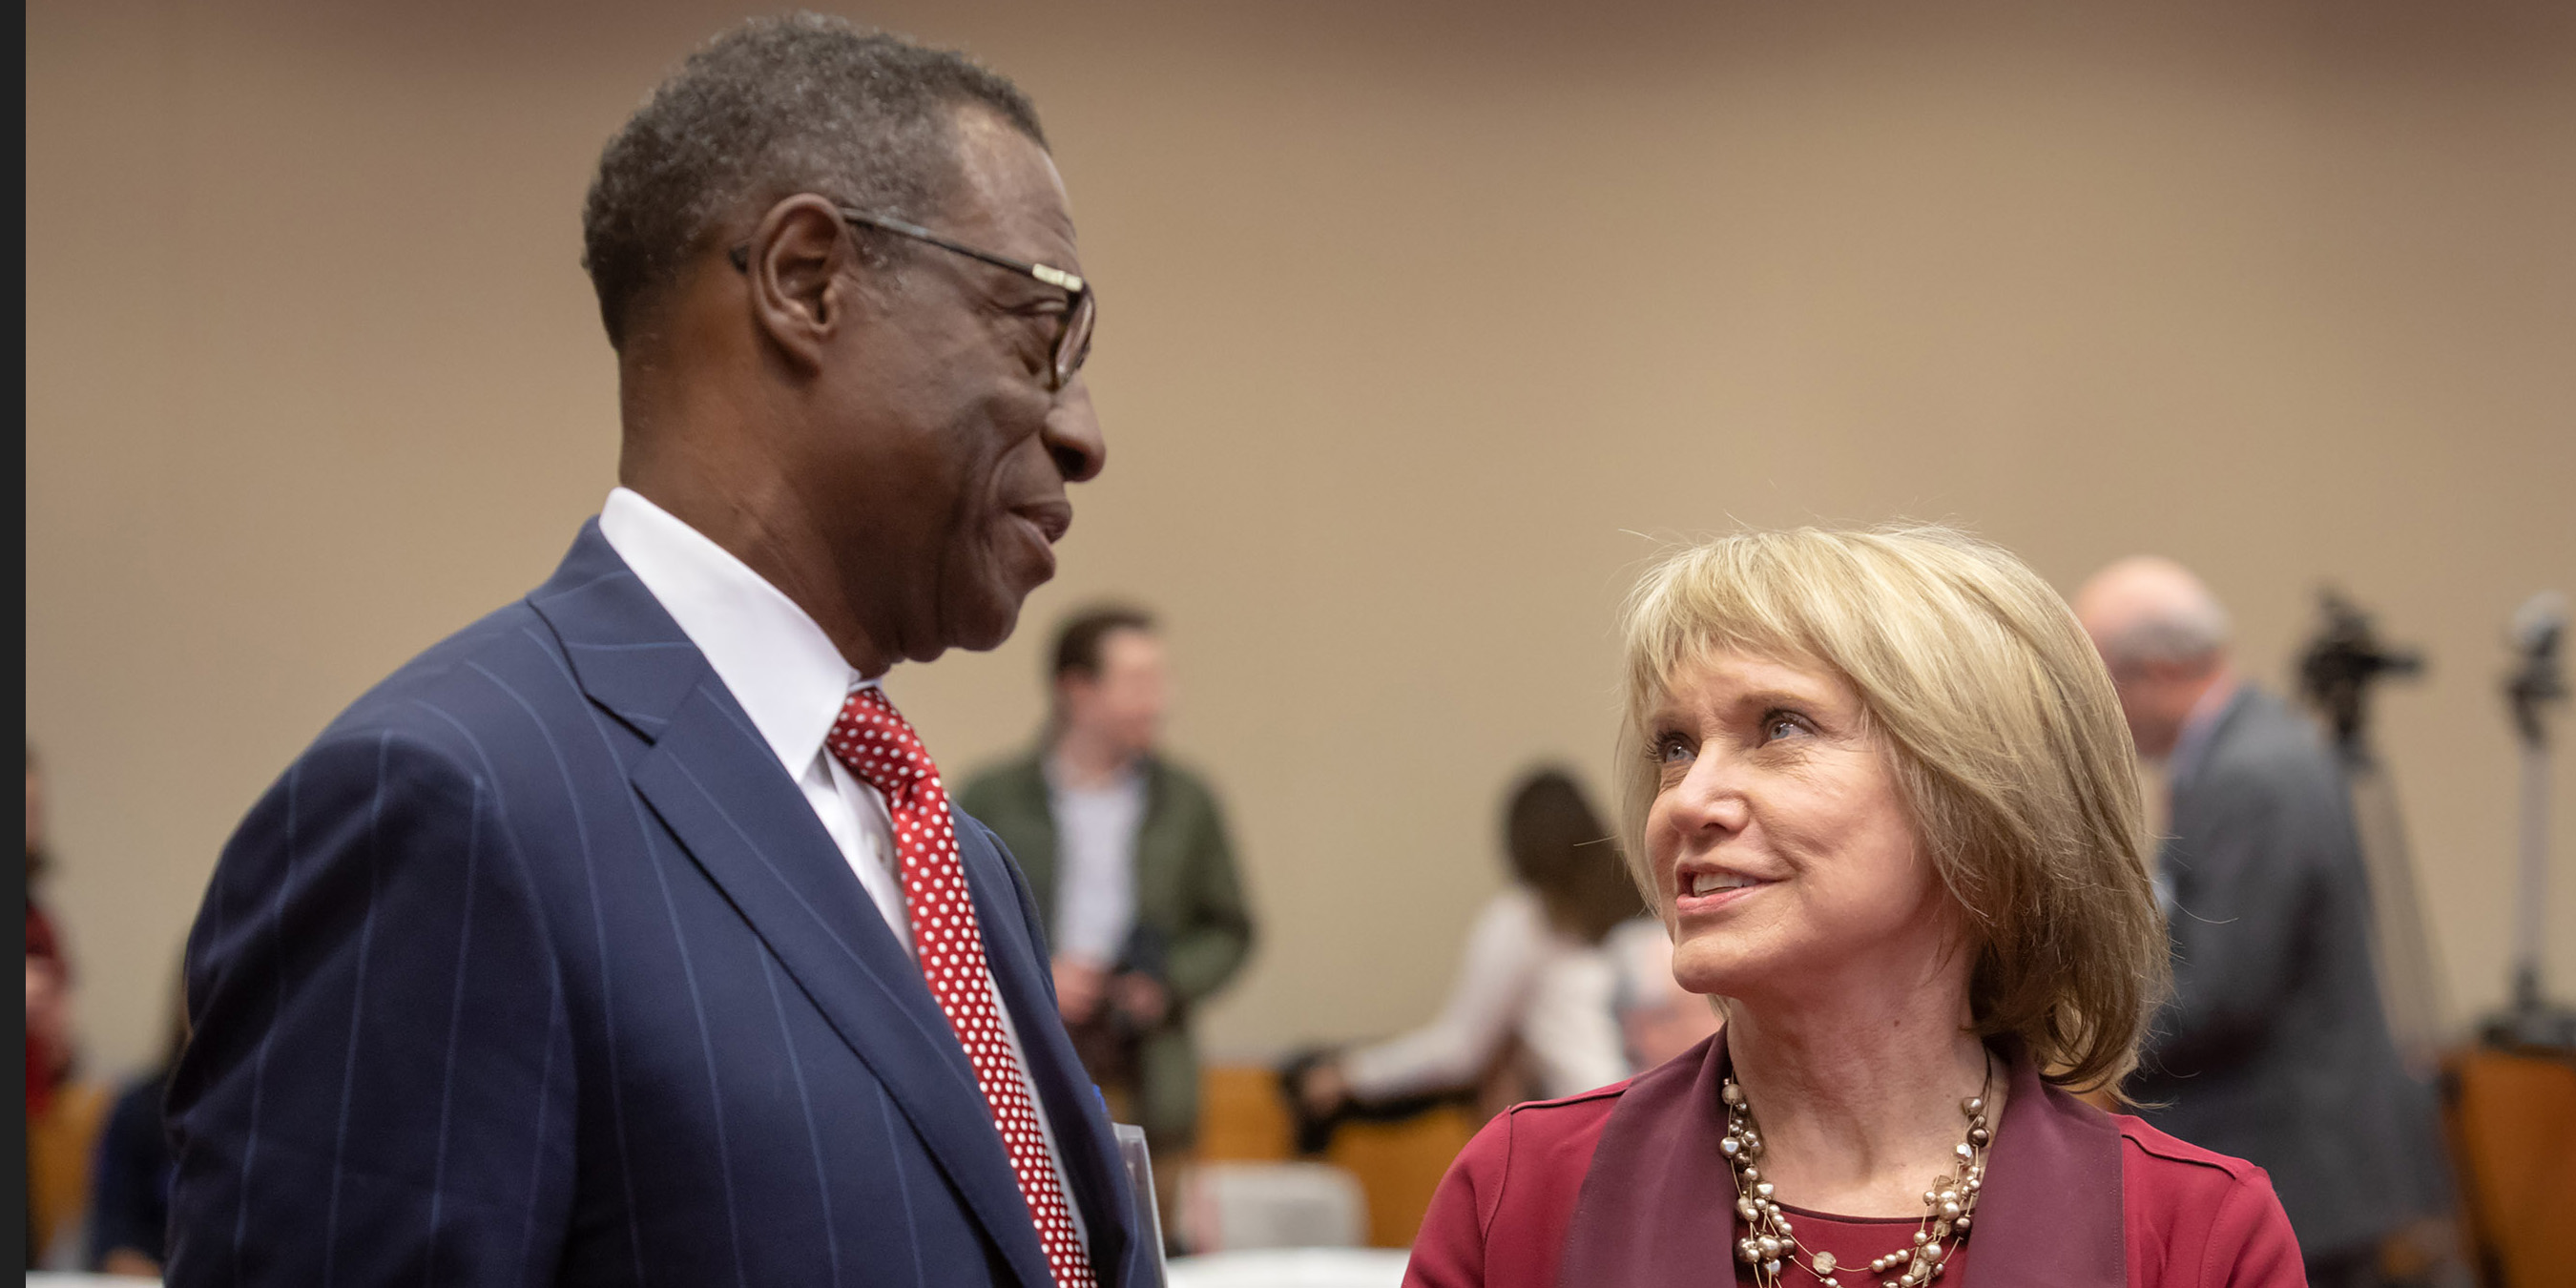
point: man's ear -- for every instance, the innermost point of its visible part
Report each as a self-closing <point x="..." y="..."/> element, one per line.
<point x="799" y="266"/>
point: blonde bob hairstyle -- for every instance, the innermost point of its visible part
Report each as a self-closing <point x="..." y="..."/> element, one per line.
<point x="2005" y="741"/>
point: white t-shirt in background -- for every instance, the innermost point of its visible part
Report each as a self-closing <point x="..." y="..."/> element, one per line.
<point x="1520" y="977"/>
<point x="1095" y="840"/>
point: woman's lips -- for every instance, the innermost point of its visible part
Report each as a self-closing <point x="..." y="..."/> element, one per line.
<point x="1690" y="905"/>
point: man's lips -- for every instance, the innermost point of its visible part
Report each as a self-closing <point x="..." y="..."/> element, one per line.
<point x="1052" y="519"/>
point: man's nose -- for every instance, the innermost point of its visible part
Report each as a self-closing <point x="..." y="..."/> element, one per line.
<point x="1073" y="434"/>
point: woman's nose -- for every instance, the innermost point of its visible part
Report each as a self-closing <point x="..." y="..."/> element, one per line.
<point x="1710" y="795"/>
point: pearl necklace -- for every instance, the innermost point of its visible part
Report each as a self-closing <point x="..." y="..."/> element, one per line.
<point x="1947" y="1207"/>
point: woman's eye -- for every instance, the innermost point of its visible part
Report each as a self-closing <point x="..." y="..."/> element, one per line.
<point x="1671" y="749"/>
<point x="1780" y="724"/>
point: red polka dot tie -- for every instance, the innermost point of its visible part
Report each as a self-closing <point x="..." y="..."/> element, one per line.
<point x="880" y="748"/>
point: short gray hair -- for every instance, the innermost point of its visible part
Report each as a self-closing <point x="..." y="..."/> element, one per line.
<point x="769" y="109"/>
<point x="2189" y="629"/>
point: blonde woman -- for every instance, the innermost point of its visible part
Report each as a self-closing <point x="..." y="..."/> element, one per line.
<point x="1878" y="787"/>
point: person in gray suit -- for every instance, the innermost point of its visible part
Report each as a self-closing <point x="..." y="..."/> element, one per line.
<point x="2275" y="1047"/>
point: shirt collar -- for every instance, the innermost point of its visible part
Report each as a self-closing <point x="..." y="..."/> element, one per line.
<point x="768" y="652"/>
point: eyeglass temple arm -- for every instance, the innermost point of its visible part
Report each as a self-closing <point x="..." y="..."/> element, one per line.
<point x="1056" y="277"/>
<point x="1051" y="276"/>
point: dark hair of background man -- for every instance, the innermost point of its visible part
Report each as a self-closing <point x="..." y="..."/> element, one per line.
<point x="762" y="113"/>
<point x="1079" y="642"/>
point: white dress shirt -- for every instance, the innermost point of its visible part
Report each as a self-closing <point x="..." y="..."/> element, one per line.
<point x="792" y="681"/>
<point x="1096" y="831"/>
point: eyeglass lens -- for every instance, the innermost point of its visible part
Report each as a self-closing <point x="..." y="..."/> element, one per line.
<point x="1074" y="346"/>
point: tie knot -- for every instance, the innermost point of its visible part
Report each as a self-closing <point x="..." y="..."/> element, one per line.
<point x="878" y="744"/>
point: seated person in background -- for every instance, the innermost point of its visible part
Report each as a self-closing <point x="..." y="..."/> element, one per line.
<point x="1127" y="856"/>
<point x="1877" y="784"/>
<point x="1658" y="1018"/>
<point x="1535" y="1010"/>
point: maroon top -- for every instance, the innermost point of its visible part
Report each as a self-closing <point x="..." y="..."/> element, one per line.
<point x="1626" y="1186"/>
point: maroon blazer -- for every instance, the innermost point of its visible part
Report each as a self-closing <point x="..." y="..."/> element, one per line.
<point x="1625" y="1186"/>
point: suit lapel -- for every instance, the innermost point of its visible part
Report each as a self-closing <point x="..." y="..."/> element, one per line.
<point x="2187" y="769"/>
<point x="628" y="655"/>
<point x="719" y="789"/>
<point x="2052" y="1214"/>
<point x="1657" y="1203"/>
<point x="2192" y="755"/>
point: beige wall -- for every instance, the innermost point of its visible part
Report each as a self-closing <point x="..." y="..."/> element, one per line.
<point x="1422" y="323"/>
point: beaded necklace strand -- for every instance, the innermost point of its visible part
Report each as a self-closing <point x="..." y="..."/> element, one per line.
<point x="1948" y="1206"/>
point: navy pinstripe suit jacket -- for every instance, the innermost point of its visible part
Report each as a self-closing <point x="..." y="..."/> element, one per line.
<point x="535" y="968"/>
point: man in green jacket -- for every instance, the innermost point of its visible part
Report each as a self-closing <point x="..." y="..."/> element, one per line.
<point x="1127" y="856"/>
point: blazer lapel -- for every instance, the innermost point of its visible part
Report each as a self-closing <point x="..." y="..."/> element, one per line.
<point x="2051" y="1215"/>
<point x="719" y="789"/>
<point x="2192" y="756"/>
<point x="627" y="654"/>
<point x="1657" y="1205"/>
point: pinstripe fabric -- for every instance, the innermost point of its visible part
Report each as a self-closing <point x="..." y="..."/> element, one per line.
<point x="535" y="968"/>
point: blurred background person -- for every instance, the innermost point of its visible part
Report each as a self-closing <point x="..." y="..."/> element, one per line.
<point x="63" y="1110"/>
<point x="1536" y="1010"/>
<point x="48" y="982"/>
<point x="1128" y="857"/>
<point x="1658" y="1018"/>
<point x="2275" y="1047"/>
<point x="129" y="1202"/>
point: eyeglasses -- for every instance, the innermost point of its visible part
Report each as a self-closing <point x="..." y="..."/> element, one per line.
<point x="1072" y="344"/>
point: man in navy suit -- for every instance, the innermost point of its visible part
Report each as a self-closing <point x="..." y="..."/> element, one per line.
<point x="626" y="936"/>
